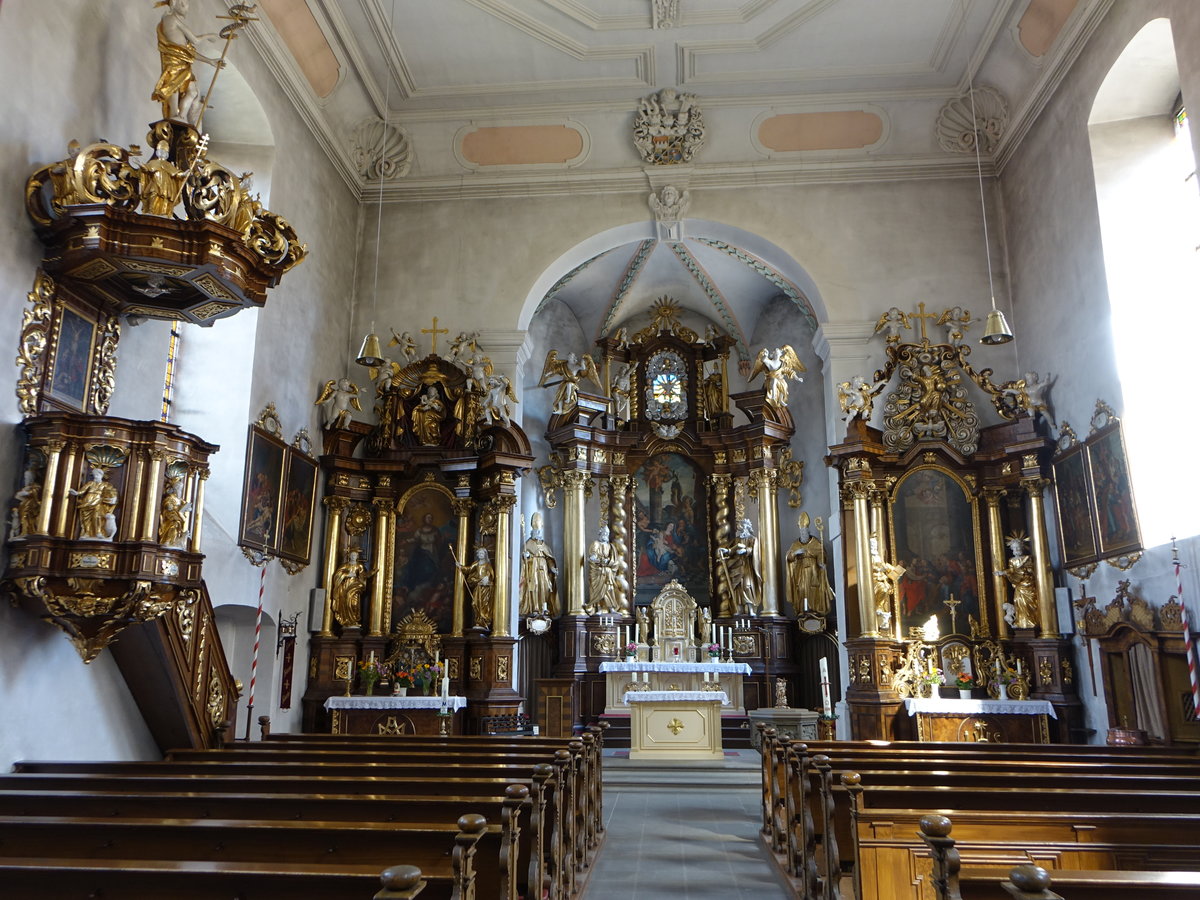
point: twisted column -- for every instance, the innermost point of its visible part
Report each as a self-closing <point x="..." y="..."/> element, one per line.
<point x="618" y="526"/>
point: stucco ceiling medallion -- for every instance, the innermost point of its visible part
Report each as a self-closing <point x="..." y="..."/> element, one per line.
<point x="955" y="130"/>
<point x="381" y="151"/>
<point x="668" y="128"/>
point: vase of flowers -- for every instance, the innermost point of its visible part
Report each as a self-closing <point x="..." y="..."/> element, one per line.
<point x="426" y="676"/>
<point x="930" y="680"/>
<point x="371" y="671"/>
<point x="713" y="651"/>
<point x="402" y="680"/>
<point x="1004" y="677"/>
<point x="964" y="681"/>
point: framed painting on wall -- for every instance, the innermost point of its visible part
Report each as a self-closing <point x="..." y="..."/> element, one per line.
<point x="426" y="529"/>
<point x="1117" y="529"/>
<point x="670" y="528"/>
<point x="935" y="531"/>
<point x="299" y="499"/>
<point x="262" y="491"/>
<point x="1073" y="500"/>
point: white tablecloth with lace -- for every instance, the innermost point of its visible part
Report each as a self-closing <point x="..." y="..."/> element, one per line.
<point x="390" y="701"/>
<point x="979" y="707"/>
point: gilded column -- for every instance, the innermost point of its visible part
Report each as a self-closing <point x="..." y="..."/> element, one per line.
<point x="619" y="528"/>
<point x="502" y="598"/>
<point x="60" y="524"/>
<point x="383" y="544"/>
<point x="768" y="539"/>
<point x="462" y="509"/>
<point x="198" y="508"/>
<point x="150" y="507"/>
<point x="334" y="507"/>
<point x="877" y="520"/>
<point x="573" y="538"/>
<point x="1047" y="609"/>
<point x="992" y="497"/>
<point x="54" y="450"/>
<point x="868" y="621"/>
<point x="718" y="493"/>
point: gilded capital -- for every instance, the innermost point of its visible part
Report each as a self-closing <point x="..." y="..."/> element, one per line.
<point x="462" y="506"/>
<point x="1034" y="487"/>
<point x="993" y="495"/>
<point x="336" y="504"/>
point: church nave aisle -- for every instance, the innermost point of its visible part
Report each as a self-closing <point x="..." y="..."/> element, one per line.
<point x="683" y="830"/>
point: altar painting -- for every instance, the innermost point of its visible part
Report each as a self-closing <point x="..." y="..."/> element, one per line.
<point x="265" y="455"/>
<point x="670" y="528"/>
<point x="936" y="541"/>
<point x="426" y="529"/>
<point x="1116" y="516"/>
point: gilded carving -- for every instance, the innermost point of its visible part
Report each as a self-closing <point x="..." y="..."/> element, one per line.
<point x="35" y="330"/>
<point x="91" y="560"/>
<point x="1068" y="675"/>
<point x="216" y="701"/>
<point x="1045" y="672"/>
<point x="931" y="401"/>
<point x="391" y="726"/>
<point x="744" y="645"/>
<point x="476" y="668"/>
<point x="452" y="667"/>
<point x="343" y="668"/>
<point x="604" y="644"/>
<point x="791" y="477"/>
<point x="502" y="669"/>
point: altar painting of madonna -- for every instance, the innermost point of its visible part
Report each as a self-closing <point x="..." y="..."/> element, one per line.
<point x="936" y="541"/>
<point x="670" y="528"/>
<point x="423" y="573"/>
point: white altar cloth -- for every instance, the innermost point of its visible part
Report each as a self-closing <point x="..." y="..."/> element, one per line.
<point x="973" y="707"/>
<point x="710" y="668"/>
<point x="672" y="696"/>
<point x="389" y="701"/>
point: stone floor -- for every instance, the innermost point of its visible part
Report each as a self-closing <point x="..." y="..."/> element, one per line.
<point x="683" y="830"/>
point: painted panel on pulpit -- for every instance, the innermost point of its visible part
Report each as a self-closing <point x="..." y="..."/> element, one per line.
<point x="426" y="528"/>
<point x="936" y="540"/>
<point x="670" y="528"/>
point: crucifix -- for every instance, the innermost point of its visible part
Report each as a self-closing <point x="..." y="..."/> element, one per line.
<point x="435" y="331"/>
<point x="922" y="316"/>
<point x="952" y="604"/>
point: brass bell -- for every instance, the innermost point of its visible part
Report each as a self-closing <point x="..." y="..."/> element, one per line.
<point x="996" y="331"/>
<point x="370" y="354"/>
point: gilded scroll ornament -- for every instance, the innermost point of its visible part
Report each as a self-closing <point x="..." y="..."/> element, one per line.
<point x="931" y="401"/>
<point x="104" y="370"/>
<point x="35" y="330"/>
<point x="216" y="701"/>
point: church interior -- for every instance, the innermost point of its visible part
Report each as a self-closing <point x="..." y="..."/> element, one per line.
<point x="555" y="385"/>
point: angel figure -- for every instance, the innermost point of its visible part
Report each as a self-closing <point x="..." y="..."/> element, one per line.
<point x="857" y="398"/>
<point x="479" y="369"/>
<point x="1035" y="390"/>
<point x="777" y="366"/>
<point x="622" y="391"/>
<point x="620" y="338"/>
<point x="338" y="398"/>
<point x="956" y="321"/>
<point x="407" y="345"/>
<point x="499" y="395"/>
<point x="569" y="371"/>
<point x="893" y="320"/>
<point x="464" y="347"/>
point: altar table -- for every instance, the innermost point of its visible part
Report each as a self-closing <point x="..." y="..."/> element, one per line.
<point x="389" y="714"/>
<point x="621" y="677"/>
<point x="982" y="721"/>
<point x="675" y="724"/>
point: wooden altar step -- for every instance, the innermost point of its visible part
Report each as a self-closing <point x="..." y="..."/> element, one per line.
<point x="735" y="732"/>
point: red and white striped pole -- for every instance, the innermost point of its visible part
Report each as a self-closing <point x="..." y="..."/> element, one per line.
<point x="1187" y="629"/>
<point x="262" y="586"/>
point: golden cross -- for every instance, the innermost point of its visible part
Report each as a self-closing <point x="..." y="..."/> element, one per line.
<point x="922" y="315"/>
<point x="435" y="331"/>
<point x="952" y="604"/>
<point x="675" y="725"/>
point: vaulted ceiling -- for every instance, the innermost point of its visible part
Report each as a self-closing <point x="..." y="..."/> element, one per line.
<point x="496" y="97"/>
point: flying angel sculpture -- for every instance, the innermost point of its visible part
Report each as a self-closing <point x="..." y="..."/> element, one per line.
<point x="338" y="397"/>
<point x="405" y="342"/>
<point x="777" y="366"/>
<point x="569" y="371"/>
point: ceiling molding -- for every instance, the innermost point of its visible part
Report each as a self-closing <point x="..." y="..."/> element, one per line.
<point x="580" y="14"/>
<point x="688" y="260"/>
<point x="553" y="38"/>
<point x="1070" y="45"/>
<point x="384" y="33"/>
<point x="634" y="268"/>
<point x="769" y="173"/>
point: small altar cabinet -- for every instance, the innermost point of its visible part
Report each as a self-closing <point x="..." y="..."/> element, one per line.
<point x="982" y="721"/>
<point x="675" y="724"/>
<point x="393" y="715"/>
<point x="623" y="678"/>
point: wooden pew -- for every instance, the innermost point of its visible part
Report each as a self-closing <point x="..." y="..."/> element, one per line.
<point x="140" y="878"/>
<point x="799" y="791"/>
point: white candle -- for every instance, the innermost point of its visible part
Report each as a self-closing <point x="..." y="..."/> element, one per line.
<point x="372" y="656"/>
<point x="997" y="668"/>
<point x="1018" y="667"/>
<point x="806" y="603"/>
<point x="445" y="688"/>
<point x="437" y="657"/>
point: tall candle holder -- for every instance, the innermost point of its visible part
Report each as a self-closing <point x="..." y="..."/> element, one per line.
<point x="444" y="722"/>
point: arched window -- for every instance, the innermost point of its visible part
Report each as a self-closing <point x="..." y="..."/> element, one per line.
<point x="1149" y="206"/>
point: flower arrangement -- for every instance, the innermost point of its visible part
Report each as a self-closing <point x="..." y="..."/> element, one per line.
<point x="1006" y="676"/>
<point x="371" y="671"/>
<point x="631" y="649"/>
<point x="932" y="676"/>
<point x="712" y="649"/>
<point x="964" y="681"/>
<point x="402" y="678"/>
<point x="428" y="673"/>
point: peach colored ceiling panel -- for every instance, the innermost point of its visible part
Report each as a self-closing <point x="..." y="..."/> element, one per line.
<point x="299" y="29"/>
<point x="843" y="130"/>
<point x="522" y="145"/>
<point x="1042" y="22"/>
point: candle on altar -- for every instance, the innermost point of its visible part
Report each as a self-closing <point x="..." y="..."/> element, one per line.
<point x="806" y="603"/>
<point x="826" y="700"/>
<point x="437" y="657"/>
<point x="372" y="656"/>
<point x="1018" y="667"/>
<point x="445" y="689"/>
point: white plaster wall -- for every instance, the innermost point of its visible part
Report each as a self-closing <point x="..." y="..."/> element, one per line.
<point x="1060" y="293"/>
<point x="84" y="69"/>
